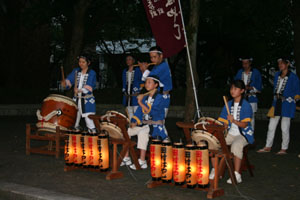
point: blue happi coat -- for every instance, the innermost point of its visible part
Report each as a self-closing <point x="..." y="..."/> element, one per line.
<point x="89" y="84"/>
<point x="162" y="71"/>
<point x="289" y="90"/>
<point x="157" y="112"/>
<point x="136" y="81"/>
<point x="254" y="80"/>
<point x="244" y="114"/>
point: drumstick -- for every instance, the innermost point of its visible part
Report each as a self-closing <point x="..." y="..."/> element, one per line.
<point x="75" y="80"/>
<point x="62" y="73"/>
<point x="226" y="104"/>
<point x="148" y="64"/>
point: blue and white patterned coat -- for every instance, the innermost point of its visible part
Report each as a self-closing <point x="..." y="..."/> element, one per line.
<point x="136" y="81"/>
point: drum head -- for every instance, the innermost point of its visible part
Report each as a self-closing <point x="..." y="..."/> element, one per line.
<point x="117" y="114"/>
<point x="113" y="130"/>
<point x="213" y="142"/>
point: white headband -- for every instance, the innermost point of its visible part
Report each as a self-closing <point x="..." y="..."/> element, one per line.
<point x="280" y="60"/>
<point x="160" y="83"/>
<point x="155" y="51"/>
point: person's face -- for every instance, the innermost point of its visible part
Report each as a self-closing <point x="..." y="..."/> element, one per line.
<point x="150" y="84"/>
<point x="236" y="92"/>
<point x="83" y="63"/>
<point x="246" y="64"/>
<point x="282" y="66"/>
<point x="129" y="61"/>
<point x="156" y="58"/>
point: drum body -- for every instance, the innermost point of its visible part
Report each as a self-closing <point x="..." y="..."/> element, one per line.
<point x="65" y="116"/>
<point x="113" y="130"/>
<point x="200" y="135"/>
<point x="112" y="113"/>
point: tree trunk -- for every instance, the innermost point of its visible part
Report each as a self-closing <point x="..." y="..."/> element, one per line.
<point x="296" y="23"/>
<point x="192" y="31"/>
<point x="76" y="41"/>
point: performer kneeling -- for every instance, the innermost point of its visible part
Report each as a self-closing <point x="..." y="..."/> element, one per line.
<point x="240" y="132"/>
<point x="84" y="80"/>
<point x="148" y="120"/>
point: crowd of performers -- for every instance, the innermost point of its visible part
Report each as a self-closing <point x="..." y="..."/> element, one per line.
<point x="148" y="109"/>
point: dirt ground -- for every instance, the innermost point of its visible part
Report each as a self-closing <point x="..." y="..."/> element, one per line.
<point x="275" y="177"/>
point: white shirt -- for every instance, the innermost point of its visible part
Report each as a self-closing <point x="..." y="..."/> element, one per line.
<point x="128" y="81"/>
<point x="245" y="78"/>
<point x="234" y="129"/>
<point x="280" y="84"/>
<point x="150" y="102"/>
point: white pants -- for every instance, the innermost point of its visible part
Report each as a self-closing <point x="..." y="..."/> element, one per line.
<point x="131" y="110"/>
<point x="285" y="128"/>
<point x="89" y="122"/>
<point x="142" y="135"/>
<point x="254" y="109"/>
<point x="237" y="144"/>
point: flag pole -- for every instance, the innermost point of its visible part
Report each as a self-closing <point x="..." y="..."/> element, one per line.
<point x="189" y="59"/>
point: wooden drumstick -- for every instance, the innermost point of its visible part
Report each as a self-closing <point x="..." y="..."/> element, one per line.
<point x="62" y="73"/>
<point x="226" y="104"/>
<point x="75" y="81"/>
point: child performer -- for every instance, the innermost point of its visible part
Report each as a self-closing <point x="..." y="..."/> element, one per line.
<point x="286" y="89"/>
<point x="83" y="91"/>
<point x="148" y="120"/>
<point x="240" y="132"/>
<point x="252" y="79"/>
<point x="132" y="78"/>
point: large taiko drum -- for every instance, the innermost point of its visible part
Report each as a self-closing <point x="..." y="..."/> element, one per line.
<point x="57" y="110"/>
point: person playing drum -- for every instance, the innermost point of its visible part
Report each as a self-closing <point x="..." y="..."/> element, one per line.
<point x="83" y="79"/>
<point x="132" y="78"/>
<point x="252" y="79"/>
<point x="238" y="123"/>
<point x="148" y="120"/>
<point x="286" y="89"/>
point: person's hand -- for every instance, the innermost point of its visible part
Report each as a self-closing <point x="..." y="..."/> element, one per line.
<point x="132" y="125"/>
<point x="63" y="83"/>
<point x="140" y="98"/>
<point x="76" y="91"/>
<point x="230" y="118"/>
<point x="249" y="87"/>
<point x="143" y="66"/>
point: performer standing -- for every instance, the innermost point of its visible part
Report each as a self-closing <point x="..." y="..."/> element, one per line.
<point x="240" y="132"/>
<point x="148" y="120"/>
<point x="83" y="79"/>
<point x="286" y="88"/>
<point x="161" y="70"/>
<point x="132" y="78"/>
<point x="252" y="80"/>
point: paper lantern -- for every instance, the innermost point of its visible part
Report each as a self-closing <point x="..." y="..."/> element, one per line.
<point x="155" y="159"/>
<point x="93" y="157"/>
<point x="68" y="151"/>
<point x="190" y="166"/>
<point x="166" y="161"/>
<point x="202" y="161"/>
<point x="178" y="163"/>
<point x="103" y="151"/>
<point x="86" y="150"/>
<point x="77" y="148"/>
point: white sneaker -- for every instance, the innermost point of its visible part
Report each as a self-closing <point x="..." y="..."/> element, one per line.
<point x="143" y="164"/>
<point x="126" y="161"/>
<point x="212" y="174"/>
<point x="237" y="176"/>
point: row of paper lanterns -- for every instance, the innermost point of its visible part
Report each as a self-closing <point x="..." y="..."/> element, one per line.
<point x="189" y="164"/>
<point x="87" y="150"/>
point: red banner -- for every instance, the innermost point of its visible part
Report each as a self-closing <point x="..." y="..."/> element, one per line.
<point x="165" y="19"/>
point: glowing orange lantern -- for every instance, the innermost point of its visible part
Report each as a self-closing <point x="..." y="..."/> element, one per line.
<point x="190" y="166"/>
<point x="68" y="151"/>
<point x="77" y="148"/>
<point x="202" y="160"/>
<point x="155" y="159"/>
<point x="93" y="157"/>
<point x="85" y="151"/>
<point x="103" y="152"/>
<point x="166" y="161"/>
<point x="178" y="163"/>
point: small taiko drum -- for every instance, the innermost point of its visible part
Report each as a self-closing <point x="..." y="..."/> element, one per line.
<point x="113" y="130"/>
<point x="57" y="110"/>
<point x="112" y="113"/>
<point x="200" y="135"/>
